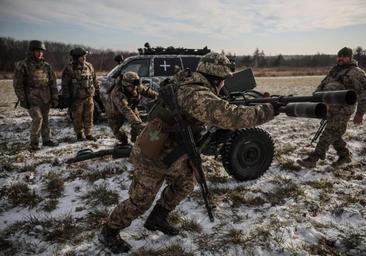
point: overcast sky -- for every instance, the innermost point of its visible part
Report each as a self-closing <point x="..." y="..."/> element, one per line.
<point x="237" y="26"/>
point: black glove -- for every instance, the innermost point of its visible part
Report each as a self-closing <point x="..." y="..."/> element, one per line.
<point x="136" y="129"/>
<point x="276" y="107"/>
<point x="24" y="104"/>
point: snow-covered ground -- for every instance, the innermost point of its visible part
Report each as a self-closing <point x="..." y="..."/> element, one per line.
<point x="48" y="207"/>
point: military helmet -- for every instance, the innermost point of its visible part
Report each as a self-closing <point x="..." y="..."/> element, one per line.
<point x="36" y="45"/>
<point x="130" y="78"/>
<point x="345" y="51"/>
<point x="78" y="52"/>
<point x="216" y="65"/>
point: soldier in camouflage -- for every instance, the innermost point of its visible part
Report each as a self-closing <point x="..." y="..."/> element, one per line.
<point x="35" y="87"/>
<point x="122" y="102"/>
<point x="197" y="97"/>
<point x="346" y="75"/>
<point x="79" y="86"/>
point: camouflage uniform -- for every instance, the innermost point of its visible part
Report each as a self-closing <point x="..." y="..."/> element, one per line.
<point x="341" y="77"/>
<point x="79" y="86"/>
<point x="200" y="105"/>
<point x="36" y="89"/>
<point x="122" y="105"/>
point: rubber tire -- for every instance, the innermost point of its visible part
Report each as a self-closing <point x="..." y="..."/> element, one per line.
<point x="258" y="154"/>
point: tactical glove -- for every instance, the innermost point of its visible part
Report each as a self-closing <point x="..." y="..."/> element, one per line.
<point x="136" y="129"/>
<point x="276" y="107"/>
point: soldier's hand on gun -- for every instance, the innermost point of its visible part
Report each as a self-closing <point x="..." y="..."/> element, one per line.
<point x="276" y="107"/>
<point x="357" y="120"/>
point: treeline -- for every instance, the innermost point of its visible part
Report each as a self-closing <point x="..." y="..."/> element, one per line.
<point x="259" y="59"/>
<point x="57" y="54"/>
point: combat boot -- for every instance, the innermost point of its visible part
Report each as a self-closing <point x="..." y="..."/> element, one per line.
<point x="35" y="146"/>
<point x="50" y="143"/>
<point x="112" y="240"/>
<point x="157" y="220"/>
<point x="310" y="161"/>
<point x="342" y="159"/>
<point x="90" y="137"/>
<point x="80" y="137"/>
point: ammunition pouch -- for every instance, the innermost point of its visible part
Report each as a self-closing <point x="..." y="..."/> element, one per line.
<point x="152" y="139"/>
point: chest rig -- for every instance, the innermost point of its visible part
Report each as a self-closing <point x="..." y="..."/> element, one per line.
<point x="37" y="74"/>
<point x="82" y="81"/>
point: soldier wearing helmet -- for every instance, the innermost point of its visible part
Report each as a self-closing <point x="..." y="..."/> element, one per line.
<point x="79" y="86"/>
<point x="122" y="102"/>
<point x="35" y="87"/>
<point x="346" y="75"/>
<point x="155" y="155"/>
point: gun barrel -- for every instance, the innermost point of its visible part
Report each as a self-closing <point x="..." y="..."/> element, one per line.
<point x="307" y="110"/>
<point x="345" y="97"/>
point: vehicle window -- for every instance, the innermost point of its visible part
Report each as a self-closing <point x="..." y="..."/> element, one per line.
<point x="190" y="62"/>
<point x="141" y="67"/>
<point x="165" y="66"/>
<point x="115" y="71"/>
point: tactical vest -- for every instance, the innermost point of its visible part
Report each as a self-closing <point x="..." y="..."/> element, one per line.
<point x="159" y="110"/>
<point x="82" y="82"/>
<point x="37" y="75"/>
<point x="338" y="74"/>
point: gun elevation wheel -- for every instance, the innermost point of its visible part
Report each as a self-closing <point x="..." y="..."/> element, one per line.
<point x="248" y="153"/>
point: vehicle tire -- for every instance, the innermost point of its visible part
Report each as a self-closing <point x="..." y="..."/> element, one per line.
<point x="248" y="154"/>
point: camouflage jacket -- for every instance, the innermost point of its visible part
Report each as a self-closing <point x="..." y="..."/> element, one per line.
<point x="35" y="82"/>
<point x="346" y="77"/>
<point x="123" y="104"/>
<point x="199" y="102"/>
<point x="79" y="81"/>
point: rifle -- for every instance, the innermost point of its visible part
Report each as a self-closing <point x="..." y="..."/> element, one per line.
<point x="323" y="123"/>
<point x="184" y="133"/>
<point x="296" y="106"/>
<point x="85" y="154"/>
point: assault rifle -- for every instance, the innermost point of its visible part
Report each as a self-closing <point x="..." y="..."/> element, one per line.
<point x="118" y="151"/>
<point x="185" y="135"/>
<point x="320" y="130"/>
<point x="296" y="106"/>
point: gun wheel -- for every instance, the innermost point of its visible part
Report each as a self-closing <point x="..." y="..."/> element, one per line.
<point x="248" y="153"/>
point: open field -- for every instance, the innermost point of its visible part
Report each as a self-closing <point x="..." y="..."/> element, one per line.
<point x="50" y="208"/>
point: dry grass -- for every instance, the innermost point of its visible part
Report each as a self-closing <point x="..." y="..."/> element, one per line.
<point x="170" y="250"/>
<point x="19" y="194"/>
<point x="101" y="195"/>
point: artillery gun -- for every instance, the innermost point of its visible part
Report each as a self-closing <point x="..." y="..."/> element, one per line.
<point x="247" y="153"/>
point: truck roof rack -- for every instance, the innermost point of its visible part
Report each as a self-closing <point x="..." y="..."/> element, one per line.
<point x="147" y="50"/>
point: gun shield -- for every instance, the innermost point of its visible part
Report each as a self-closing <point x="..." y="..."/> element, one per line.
<point x="344" y="97"/>
<point x="307" y="110"/>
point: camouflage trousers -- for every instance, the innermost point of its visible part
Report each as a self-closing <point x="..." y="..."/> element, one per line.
<point x="147" y="180"/>
<point x="82" y="115"/>
<point x="39" y="115"/>
<point x="332" y="135"/>
<point x="116" y="122"/>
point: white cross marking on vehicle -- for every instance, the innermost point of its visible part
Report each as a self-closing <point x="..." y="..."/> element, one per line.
<point x="165" y="66"/>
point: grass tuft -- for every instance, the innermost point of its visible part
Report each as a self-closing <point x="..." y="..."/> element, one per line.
<point x="19" y="194"/>
<point x="101" y="195"/>
<point x="170" y="250"/>
<point x="54" y="185"/>
<point x="191" y="225"/>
